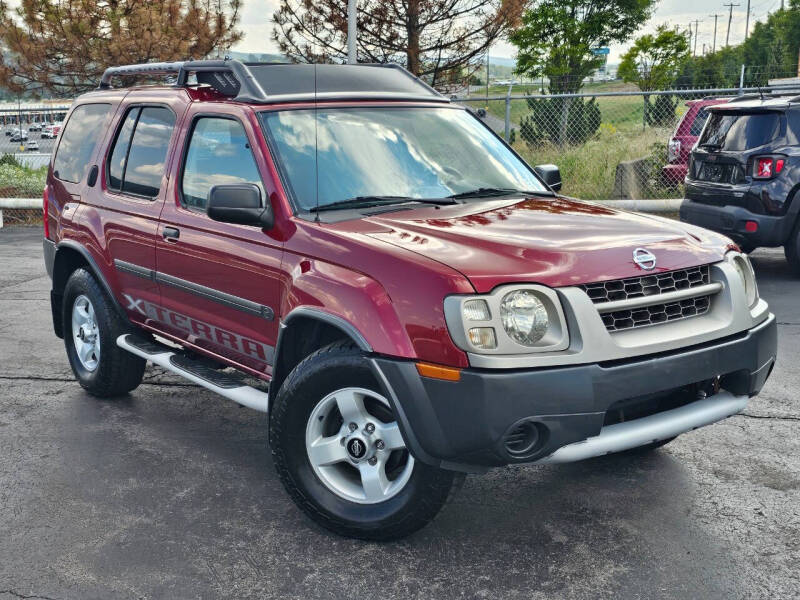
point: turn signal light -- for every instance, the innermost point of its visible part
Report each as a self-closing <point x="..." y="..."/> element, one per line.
<point x="438" y="372"/>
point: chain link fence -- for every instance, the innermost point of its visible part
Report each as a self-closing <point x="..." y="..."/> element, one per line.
<point x="608" y="144"/>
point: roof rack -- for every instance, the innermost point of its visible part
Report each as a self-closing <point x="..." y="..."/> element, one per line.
<point x="286" y="82"/>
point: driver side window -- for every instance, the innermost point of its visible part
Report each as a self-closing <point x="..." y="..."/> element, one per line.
<point x="218" y="154"/>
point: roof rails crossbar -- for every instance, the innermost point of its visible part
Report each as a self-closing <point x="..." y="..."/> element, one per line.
<point x="235" y="80"/>
<point x="229" y="77"/>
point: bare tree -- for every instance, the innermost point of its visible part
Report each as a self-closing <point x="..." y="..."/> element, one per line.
<point x="437" y="39"/>
<point x="61" y="47"/>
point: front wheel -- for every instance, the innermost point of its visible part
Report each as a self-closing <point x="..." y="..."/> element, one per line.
<point x="340" y="454"/>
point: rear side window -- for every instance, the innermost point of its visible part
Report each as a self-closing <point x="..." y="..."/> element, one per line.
<point x="138" y="159"/>
<point x="741" y="131"/>
<point x="79" y="140"/>
<point x="699" y="120"/>
<point x="218" y="154"/>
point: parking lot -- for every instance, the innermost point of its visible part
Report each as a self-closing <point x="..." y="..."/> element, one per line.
<point x="9" y="147"/>
<point x="171" y="493"/>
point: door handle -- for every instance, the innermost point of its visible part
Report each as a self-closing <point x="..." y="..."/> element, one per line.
<point x="171" y="233"/>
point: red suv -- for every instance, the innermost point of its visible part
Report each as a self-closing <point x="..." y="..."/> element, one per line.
<point x="679" y="148"/>
<point x="344" y="247"/>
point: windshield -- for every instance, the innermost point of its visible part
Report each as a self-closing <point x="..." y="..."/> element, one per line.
<point x="726" y="131"/>
<point x="395" y="151"/>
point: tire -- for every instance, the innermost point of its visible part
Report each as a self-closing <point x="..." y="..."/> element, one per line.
<point x="106" y="370"/>
<point x="792" y="250"/>
<point x="340" y="494"/>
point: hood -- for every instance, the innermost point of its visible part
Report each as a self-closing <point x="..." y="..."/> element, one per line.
<point x="556" y="242"/>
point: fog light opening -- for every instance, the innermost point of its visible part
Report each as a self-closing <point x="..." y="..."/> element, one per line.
<point x="523" y="439"/>
<point x="751" y="226"/>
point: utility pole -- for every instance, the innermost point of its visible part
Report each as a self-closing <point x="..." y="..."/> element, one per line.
<point x="747" y="21"/>
<point x="696" y="22"/>
<point x="714" y="46"/>
<point x="352" y="34"/>
<point x="730" y="17"/>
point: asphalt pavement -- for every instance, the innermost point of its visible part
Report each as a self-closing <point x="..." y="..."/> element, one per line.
<point x="171" y="493"/>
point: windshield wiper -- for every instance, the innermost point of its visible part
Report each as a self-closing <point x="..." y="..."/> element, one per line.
<point x="368" y="201"/>
<point x="710" y="146"/>
<point x="491" y="191"/>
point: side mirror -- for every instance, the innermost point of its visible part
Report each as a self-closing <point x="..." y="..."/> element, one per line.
<point x="239" y="203"/>
<point x="550" y="175"/>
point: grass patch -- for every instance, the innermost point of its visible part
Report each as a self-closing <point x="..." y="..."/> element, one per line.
<point x="19" y="181"/>
<point x="588" y="170"/>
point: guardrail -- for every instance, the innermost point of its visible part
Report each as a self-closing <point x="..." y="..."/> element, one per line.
<point x="19" y="204"/>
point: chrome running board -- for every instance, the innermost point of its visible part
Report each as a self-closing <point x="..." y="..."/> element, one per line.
<point x="224" y="384"/>
<point x="660" y="426"/>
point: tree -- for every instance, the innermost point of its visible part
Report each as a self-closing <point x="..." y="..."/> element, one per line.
<point x="653" y="63"/>
<point x="557" y="37"/>
<point x="654" y="60"/>
<point x="62" y="47"/>
<point x="432" y="38"/>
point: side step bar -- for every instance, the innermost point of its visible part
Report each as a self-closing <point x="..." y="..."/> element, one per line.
<point x="660" y="426"/>
<point x="196" y="371"/>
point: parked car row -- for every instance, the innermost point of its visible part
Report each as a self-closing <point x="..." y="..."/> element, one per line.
<point x="47" y="131"/>
<point x="742" y="172"/>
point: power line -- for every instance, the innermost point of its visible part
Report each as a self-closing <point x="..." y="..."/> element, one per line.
<point x="730" y="17"/>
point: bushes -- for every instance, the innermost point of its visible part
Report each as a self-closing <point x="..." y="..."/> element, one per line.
<point x="560" y="121"/>
<point x="18" y="181"/>
<point x="661" y="112"/>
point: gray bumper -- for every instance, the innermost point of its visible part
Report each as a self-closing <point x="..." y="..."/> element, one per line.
<point x="463" y="425"/>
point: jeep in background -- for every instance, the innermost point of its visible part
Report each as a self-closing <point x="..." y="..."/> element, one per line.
<point x="745" y="172"/>
<point x="683" y="139"/>
<point x="343" y="248"/>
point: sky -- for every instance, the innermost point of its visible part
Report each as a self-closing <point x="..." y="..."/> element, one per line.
<point x="257" y="27"/>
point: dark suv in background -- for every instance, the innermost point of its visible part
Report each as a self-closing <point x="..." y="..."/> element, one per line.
<point x="743" y="174"/>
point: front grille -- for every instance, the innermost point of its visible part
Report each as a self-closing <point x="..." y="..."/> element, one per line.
<point x="651" y="287"/>
<point x="654" y="314"/>
<point x="647" y="285"/>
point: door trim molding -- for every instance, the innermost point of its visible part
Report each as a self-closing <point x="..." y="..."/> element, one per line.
<point x="223" y="298"/>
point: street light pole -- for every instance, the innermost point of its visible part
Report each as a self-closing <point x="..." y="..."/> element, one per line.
<point x="352" y="34"/>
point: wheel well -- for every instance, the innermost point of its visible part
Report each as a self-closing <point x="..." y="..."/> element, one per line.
<point x="66" y="262"/>
<point x="301" y="337"/>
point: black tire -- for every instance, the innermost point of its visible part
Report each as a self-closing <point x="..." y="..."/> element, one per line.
<point x="118" y="371"/>
<point x="792" y="250"/>
<point x="334" y="367"/>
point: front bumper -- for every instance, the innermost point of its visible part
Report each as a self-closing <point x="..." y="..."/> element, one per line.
<point x="730" y="220"/>
<point x="463" y="425"/>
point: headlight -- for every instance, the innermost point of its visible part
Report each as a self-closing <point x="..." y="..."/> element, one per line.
<point x="524" y="317"/>
<point x="520" y="319"/>
<point x="744" y="268"/>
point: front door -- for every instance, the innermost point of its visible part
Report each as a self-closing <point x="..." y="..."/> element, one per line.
<point x="219" y="282"/>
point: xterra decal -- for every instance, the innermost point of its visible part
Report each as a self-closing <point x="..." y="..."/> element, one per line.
<point x="229" y="300"/>
<point x="199" y="329"/>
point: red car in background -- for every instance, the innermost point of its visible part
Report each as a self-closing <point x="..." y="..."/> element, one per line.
<point x="686" y="134"/>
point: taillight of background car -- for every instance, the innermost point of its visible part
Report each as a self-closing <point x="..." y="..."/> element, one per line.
<point x="673" y="150"/>
<point x="767" y="167"/>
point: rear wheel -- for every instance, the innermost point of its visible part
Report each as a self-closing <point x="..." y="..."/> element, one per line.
<point x="340" y="454"/>
<point x="91" y="328"/>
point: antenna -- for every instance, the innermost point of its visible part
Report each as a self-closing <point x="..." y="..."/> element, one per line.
<point x="316" y="147"/>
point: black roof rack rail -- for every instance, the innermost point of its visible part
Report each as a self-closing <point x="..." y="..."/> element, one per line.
<point x="229" y="77"/>
<point x="285" y="82"/>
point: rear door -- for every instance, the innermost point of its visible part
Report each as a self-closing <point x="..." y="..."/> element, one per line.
<point x="219" y="282"/>
<point x="124" y="205"/>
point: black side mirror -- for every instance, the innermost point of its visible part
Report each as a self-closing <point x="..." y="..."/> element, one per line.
<point x="550" y="174"/>
<point x="239" y="203"/>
